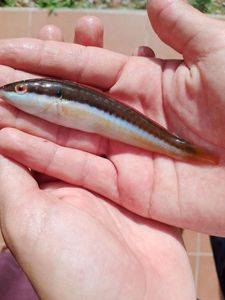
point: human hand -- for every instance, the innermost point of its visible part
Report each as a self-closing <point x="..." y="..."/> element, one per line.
<point x="186" y="96"/>
<point x="88" y="32"/>
<point x="72" y="243"/>
<point x="181" y="194"/>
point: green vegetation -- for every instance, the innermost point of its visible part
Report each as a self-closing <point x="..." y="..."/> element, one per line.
<point x="202" y="5"/>
<point x="52" y="4"/>
<point x="206" y="6"/>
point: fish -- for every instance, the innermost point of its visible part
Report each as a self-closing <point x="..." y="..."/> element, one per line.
<point x="80" y="107"/>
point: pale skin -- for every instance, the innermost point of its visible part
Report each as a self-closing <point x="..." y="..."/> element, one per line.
<point x="87" y="225"/>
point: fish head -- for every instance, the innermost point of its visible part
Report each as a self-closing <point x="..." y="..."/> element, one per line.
<point x="31" y="96"/>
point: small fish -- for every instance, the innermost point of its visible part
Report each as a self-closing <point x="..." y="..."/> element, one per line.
<point x="75" y="106"/>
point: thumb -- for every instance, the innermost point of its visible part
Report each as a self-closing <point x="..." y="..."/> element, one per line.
<point x="183" y="27"/>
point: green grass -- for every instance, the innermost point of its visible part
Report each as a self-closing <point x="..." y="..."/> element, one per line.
<point x="206" y="6"/>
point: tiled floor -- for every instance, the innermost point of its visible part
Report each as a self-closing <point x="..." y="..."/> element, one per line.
<point x="124" y="29"/>
<point x="202" y="263"/>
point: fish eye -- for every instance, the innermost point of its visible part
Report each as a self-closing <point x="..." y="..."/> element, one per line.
<point x="21" y="88"/>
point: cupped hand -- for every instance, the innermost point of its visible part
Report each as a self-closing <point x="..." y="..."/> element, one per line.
<point x="184" y="96"/>
<point x="73" y="244"/>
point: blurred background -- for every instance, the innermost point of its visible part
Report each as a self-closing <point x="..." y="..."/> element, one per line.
<point x="207" y="6"/>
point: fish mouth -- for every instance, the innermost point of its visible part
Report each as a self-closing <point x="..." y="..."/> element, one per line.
<point x="10" y="87"/>
<point x="4" y="88"/>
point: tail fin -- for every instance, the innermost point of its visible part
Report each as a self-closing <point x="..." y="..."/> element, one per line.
<point x="200" y="156"/>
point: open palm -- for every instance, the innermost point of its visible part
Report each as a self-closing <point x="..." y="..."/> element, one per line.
<point x="75" y="245"/>
<point x="186" y="97"/>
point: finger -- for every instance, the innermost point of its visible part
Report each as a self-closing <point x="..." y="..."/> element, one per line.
<point x="89" y="31"/>
<point x="90" y="65"/>
<point x="144" y="51"/>
<point x="14" y="177"/>
<point x="26" y="217"/>
<point x="129" y="164"/>
<point x="70" y="165"/>
<point x="51" y="32"/>
<point x="8" y="74"/>
<point x="8" y="178"/>
<point x="182" y="27"/>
